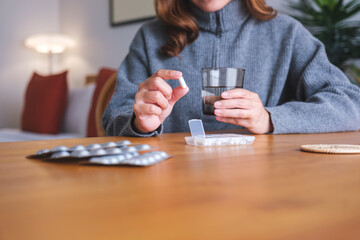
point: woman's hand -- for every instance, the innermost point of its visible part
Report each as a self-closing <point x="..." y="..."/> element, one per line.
<point x="155" y="99"/>
<point x="244" y="108"/>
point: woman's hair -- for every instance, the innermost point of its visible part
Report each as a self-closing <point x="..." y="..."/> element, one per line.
<point x="182" y="28"/>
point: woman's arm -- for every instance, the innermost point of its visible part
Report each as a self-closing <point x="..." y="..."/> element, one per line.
<point x="118" y="117"/>
<point x="321" y="98"/>
<point x="324" y="101"/>
<point x="141" y="101"/>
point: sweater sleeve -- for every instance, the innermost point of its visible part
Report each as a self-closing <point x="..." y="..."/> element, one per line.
<point x="118" y="117"/>
<point x="324" y="99"/>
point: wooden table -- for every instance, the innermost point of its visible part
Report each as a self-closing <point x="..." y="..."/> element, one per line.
<point x="269" y="190"/>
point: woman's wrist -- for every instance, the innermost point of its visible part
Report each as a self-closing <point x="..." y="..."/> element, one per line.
<point x="136" y="126"/>
<point x="271" y="125"/>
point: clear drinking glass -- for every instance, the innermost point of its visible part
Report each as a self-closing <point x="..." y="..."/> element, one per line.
<point x="217" y="80"/>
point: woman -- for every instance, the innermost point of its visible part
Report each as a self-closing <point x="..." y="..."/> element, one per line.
<point x="289" y="87"/>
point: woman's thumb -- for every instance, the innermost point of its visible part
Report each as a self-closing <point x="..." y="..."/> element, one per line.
<point x="178" y="93"/>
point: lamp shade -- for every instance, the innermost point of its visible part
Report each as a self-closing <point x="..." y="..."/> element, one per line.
<point x="49" y="43"/>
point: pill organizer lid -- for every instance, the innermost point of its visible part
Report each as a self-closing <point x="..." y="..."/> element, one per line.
<point x="196" y="128"/>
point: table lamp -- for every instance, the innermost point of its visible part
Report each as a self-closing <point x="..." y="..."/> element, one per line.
<point x="50" y="44"/>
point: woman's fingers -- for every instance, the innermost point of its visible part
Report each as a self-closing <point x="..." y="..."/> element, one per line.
<point x="145" y="109"/>
<point x="156" y="84"/>
<point x="178" y="93"/>
<point x="168" y="74"/>
<point x="239" y="93"/>
<point x="259" y="125"/>
<point x="233" y="113"/>
<point x="234" y="103"/>
<point x="155" y="97"/>
<point x="244" y="108"/>
<point x="236" y="121"/>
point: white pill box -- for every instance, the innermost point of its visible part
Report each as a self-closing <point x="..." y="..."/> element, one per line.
<point x="199" y="138"/>
<point x="220" y="140"/>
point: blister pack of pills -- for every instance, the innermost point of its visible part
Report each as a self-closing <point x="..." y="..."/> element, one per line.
<point x="133" y="159"/>
<point x="199" y="138"/>
<point x="110" y="153"/>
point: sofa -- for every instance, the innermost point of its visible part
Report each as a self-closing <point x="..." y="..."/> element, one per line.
<point x="80" y="111"/>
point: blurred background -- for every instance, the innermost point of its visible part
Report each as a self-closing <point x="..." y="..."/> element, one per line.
<point x="87" y="22"/>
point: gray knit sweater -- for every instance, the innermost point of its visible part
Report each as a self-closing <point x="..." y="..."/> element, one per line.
<point x="285" y="65"/>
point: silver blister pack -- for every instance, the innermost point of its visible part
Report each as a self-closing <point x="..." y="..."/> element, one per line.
<point x="81" y="150"/>
<point x="77" y="148"/>
<point x="93" y="146"/>
<point x="109" y="154"/>
<point x="42" y="152"/>
<point x="59" y="149"/>
<point x="92" y="153"/>
<point x="80" y="154"/>
<point x="109" y="145"/>
<point x="113" y="151"/>
<point x="143" y="160"/>
<point x="62" y="154"/>
<point x="123" y="143"/>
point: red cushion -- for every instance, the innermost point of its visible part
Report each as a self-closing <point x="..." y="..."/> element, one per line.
<point x="103" y="75"/>
<point x="45" y="103"/>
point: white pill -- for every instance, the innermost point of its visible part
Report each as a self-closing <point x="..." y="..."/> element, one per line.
<point x="129" y="149"/>
<point x="182" y="82"/>
<point x="105" y="161"/>
<point x="108" y="144"/>
<point x="59" y="149"/>
<point x="120" y="158"/>
<point x="80" y="154"/>
<point x="114" y="160"/>
<point x="163" y="154"/>
<point x="93" y="146"/>
<point x="60" y="155"/>
<point x="128" y="155"/>
<point x="142" y="147"/>
<point x="77" y="148"/>
<point x="149" y="159"/>
<point x="157" y="157"/>
<point x="97" y="152"/>
<point x="123" y="143"/>
<point x="135" y="154"/>
<point x="145" y="162"/>
<point x="112" y="151"/>
<point x="42" y="151"/>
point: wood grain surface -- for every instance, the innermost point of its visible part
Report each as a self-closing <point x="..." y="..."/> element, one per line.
<point x="269" y="190"/>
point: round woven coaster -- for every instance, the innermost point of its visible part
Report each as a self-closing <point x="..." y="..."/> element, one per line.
<point x="331" y="148"/>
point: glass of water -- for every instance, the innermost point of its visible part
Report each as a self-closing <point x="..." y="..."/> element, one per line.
<point x="217" y="80"/>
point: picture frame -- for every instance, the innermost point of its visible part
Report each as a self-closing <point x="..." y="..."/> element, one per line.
<point x="124" y="12"/>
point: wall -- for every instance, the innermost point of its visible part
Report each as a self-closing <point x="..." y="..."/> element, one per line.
<point x="18" y="20"/>
<point x="87" y="21"/>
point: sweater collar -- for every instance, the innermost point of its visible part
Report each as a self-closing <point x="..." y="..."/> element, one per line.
<point x="229" y="17"/>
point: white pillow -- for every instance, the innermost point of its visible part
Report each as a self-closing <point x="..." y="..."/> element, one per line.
<point x="77" y="110"/>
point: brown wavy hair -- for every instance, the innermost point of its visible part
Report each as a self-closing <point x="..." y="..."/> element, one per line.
<point x="182" y="28"/>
